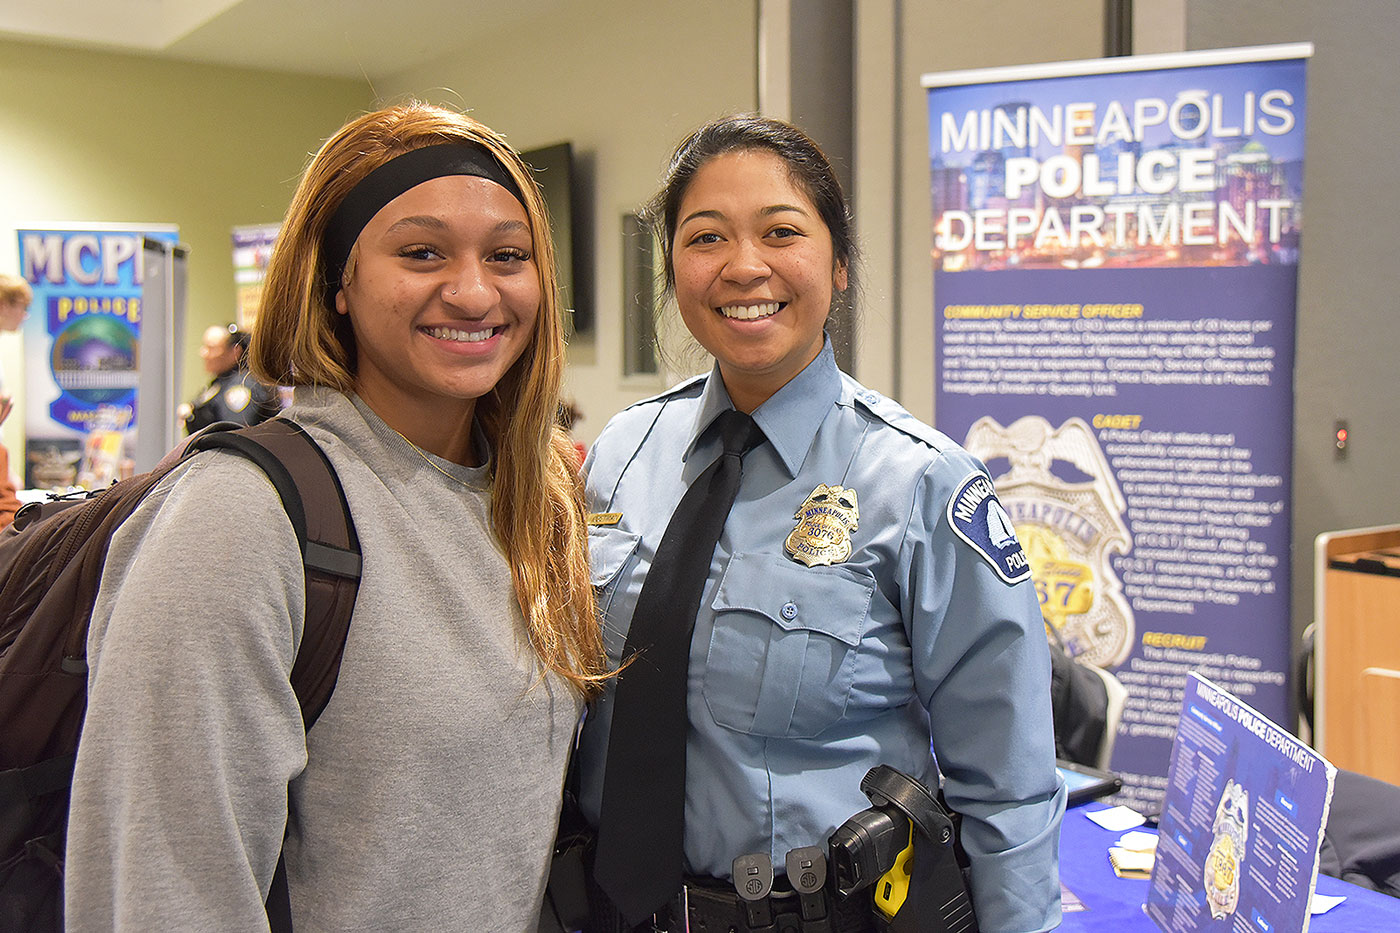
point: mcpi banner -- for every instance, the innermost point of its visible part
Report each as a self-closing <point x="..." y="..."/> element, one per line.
<point x="81" y="341"/>
<point x="1115" y="269"/>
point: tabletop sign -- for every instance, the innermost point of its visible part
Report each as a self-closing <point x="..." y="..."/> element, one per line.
<point x="1241" y="822"/>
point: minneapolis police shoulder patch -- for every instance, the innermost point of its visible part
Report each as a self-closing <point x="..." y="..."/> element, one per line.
<point x="978" y="518"/>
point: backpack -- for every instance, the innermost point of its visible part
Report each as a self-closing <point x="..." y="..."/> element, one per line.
<point x="50" y="568"/>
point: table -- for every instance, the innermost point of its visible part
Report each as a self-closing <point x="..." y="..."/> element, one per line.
<point x="1116" y="903"/>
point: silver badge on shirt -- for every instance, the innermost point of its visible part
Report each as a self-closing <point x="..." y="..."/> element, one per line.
<point x="237" y="397"/>
<point x="824" y="525"/>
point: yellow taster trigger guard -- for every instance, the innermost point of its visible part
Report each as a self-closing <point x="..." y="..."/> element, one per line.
<point x="893" y="886"/>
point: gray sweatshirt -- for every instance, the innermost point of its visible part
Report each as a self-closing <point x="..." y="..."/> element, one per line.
<point x="424" y="798"/>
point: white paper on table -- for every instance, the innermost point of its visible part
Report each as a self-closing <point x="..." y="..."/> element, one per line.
<point x="1138" y="841"/>
<point x="1117" y="819"/>
<point x="1321" y="903"/>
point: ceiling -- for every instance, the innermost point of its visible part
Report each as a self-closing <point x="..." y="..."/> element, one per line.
<point x="334" y="38"/>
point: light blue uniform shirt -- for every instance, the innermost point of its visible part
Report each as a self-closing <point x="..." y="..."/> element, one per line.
<point x="803" y="678"/>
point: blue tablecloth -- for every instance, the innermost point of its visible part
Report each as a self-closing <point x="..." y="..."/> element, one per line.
<point x="1115" y="903"/>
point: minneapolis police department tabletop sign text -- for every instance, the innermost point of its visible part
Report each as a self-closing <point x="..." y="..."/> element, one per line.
<point x="1115" y="271"/>
<point x="1241" y="823"/>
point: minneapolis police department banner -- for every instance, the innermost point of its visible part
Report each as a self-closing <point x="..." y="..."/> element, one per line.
<point x="1115" y="271"/>
<point x="81" y="340"/>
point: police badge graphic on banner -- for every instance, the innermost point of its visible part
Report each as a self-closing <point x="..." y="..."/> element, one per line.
<point x="83" y="360"/>
<point x="1071" y="529"/>
<point x="978" y="518"/>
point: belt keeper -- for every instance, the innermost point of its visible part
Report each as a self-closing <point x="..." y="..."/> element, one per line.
<point x="753" y="880"/>
<point x="806" y="872"/>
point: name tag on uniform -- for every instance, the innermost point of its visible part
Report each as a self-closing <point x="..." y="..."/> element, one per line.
<point x="604" y="518"/>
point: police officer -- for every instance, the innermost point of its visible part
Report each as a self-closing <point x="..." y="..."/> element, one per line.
<point x="233" y="395"/>
<point x="867" y="597"/>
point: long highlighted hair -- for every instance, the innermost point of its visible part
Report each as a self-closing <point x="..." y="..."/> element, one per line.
<point x="537" y="508"/>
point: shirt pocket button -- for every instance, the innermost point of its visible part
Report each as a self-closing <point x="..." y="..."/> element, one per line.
<point x="789" y="611"/>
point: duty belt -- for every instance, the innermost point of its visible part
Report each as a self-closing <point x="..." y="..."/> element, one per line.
<point x="712" y="906"/>
<point x="871" y="855"/>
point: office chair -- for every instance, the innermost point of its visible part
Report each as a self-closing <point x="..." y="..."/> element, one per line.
<point x="1088" y="703"/>
<point x="1361" y="843"/>
<point x="1113" y="714"/>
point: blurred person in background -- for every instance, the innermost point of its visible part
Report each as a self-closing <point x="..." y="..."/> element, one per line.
<point x="233" y="394"/>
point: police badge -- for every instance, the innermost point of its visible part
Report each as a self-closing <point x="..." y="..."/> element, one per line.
<point x="1227" y="850"/>
<point x="1068" y="512"/>
<point x="824" y="525"/>
<point x="237" y="397"/>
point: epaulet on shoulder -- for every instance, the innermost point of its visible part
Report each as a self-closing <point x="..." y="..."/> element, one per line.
<point x="895" y="415"/>
<point x="688" y="387"/>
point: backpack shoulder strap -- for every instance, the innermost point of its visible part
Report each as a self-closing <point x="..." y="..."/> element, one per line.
<point x="316" y="505"/>
<point x="330" y="549"/>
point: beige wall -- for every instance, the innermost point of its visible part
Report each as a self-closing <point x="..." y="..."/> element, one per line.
<point x="96" y="137"/>
<point x="623" y="82"/>
<point x="893" y="212"/>
<point x="88" y="136"/>
<point x="122" y="138"/>
<point x="1348" y="277"/>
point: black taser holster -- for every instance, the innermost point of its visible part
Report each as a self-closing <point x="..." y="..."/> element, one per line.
<point x="866" y="847"/>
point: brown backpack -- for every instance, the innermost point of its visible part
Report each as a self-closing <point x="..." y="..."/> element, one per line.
<point x="51" y="562"/>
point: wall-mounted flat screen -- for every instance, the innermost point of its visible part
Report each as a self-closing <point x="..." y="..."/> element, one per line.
<point x="558" y="174"/>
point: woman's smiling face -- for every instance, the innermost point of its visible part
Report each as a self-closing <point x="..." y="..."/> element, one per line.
<point x="754" y="272"/>
<point x="442" y="300"/>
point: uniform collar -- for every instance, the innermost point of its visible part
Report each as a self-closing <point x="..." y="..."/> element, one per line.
<point x="790" y="418"/>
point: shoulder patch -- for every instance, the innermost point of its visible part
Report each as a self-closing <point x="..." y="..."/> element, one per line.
<point x="978" y="518"/>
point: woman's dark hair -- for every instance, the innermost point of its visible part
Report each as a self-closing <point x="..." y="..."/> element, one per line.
<point x="807" y="165"/>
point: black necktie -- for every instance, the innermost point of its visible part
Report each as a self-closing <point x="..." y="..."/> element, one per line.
<point x="642" y="821"/>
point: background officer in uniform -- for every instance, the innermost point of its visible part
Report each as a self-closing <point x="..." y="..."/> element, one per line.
<point x="857" y="608"/>
<point x="233" y="395"/>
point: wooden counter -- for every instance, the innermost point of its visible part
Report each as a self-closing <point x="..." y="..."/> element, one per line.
<point x="1358" y="651"/>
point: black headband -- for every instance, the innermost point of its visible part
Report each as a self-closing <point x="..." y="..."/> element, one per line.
<point x="392" y="179"/>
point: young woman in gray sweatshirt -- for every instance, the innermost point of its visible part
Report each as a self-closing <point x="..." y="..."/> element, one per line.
<point x="411" y="302"/>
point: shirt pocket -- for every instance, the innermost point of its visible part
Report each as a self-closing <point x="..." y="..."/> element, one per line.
<point x="609" y="550"/>
<point x="783" y="649"/>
